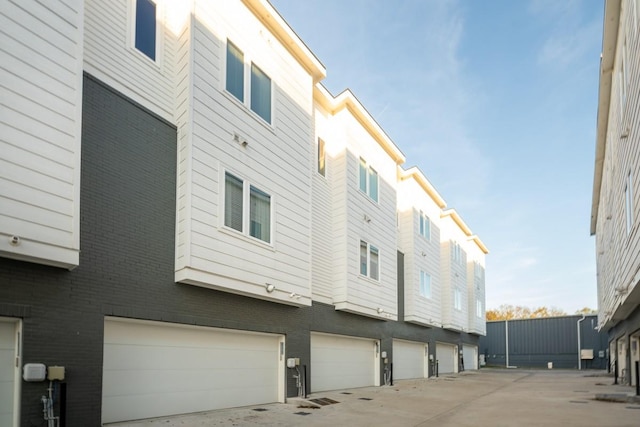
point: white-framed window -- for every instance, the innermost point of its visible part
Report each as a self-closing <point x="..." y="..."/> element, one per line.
<point x="628" y="201"/>
<point x="258" y="84"/>
<point x="457" y="299"/>
<point x="368" y="180"/>
<point x="235" y="71"/>
<point x="254" y="221"/>
<point x="479" y="310"/>
<point x="425" y="226"/>
<point x="322" y="157"/>
<point x="478" y="270"/>
<point x="145" y="28"/>
<point x="456" y="252"/>
<point x="425" y="284"/>
<point x="369" y="260"/>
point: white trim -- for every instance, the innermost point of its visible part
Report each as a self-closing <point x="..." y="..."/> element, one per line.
<point x="160" y="25"/>
<point x="17" y="378"/>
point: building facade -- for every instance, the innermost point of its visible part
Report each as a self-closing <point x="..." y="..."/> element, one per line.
<point x="190" y="221"/>
<point x="614" y="214"/>
<point x="568" y="342"/>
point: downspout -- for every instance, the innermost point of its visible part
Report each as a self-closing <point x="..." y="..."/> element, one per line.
<point x="579" y="346"/>
<point x="506" y="341"/>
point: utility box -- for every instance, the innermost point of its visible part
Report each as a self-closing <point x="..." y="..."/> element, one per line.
<point x="55" y="373"/>
<point x="34" y="372"/>
<point x="586" y="354"/>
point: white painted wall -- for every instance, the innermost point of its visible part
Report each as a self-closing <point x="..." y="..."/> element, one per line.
<point x="618" y="249"/>
<point x="277" y="160"/>
<point x="453" y="275"/>
<point x="110" y="54"/>
<point x="476" y="287"/>
<point x="419" y="253"/>
<point x="352" y="291"/>
<point x="40" y="125"/>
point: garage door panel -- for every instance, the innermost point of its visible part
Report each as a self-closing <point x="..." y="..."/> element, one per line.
<point x="162" y="369"/>
<point x="408" y="360"/>
<point x="339" y="362"/>
<point x="470" y="355"/>
<point x="445" y="354"/>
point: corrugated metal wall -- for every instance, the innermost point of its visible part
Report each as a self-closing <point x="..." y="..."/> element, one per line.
<point x="536" y="342"/>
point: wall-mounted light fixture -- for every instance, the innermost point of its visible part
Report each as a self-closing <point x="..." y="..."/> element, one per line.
<point x="270" y="287"/>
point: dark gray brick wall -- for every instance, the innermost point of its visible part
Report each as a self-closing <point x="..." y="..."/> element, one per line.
<point x="127" y="208"/>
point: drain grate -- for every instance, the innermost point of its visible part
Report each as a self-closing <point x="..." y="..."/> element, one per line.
<point x="260" y="409"/>
<point x="346" y="392"/>
<point x="302" y="413"/>
<point x="323" y="401"/>
<point x="365" y="398"/>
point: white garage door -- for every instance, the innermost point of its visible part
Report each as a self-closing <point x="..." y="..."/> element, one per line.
<point x="446" y="355"/>
<point x="339" y="362"/>
<point x="8" y="397"/>
<point x="153" y="369"/>
<point x="470" y="355"/>
<point x="409" y="360"/>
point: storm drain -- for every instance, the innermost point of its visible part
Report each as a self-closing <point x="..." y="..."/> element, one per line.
<point x="302" y="413"/>
<point x="260" y="409"/>
<point x="365" y="398"/>
<point x="323" y="401"/>
<point x="346" y="392"/>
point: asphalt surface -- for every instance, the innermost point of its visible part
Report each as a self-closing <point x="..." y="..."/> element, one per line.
<point x="489" y="397"/>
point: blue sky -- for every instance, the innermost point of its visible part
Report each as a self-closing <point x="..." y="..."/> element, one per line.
<point x="495" y="101"/>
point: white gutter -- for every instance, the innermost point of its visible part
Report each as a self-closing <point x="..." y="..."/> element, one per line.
<point x="579" y="346"/>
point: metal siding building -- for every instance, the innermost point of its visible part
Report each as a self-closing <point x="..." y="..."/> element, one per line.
<point x="534" y="343"/>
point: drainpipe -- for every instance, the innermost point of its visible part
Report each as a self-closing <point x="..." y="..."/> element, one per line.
<point x="579" y="346"/>
<point x="506" y="341"/>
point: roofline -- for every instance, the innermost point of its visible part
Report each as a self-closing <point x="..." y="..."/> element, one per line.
<point x="274" y="22"/>
<point x="607" y="58"/>
<point x="453" y="214"/>
<point x="415" y="173"/>
<point x="347" y="100"/>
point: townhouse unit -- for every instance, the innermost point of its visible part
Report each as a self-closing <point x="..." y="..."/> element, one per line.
<point x="190" y="221"/>
<point x="615" y="203"/>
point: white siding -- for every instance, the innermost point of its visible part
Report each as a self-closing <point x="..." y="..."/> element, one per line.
<point x="110" y="54"/>
<point x="40" y="123"/>
<point x="322" y="210"/>
<point x="277" y="159"/>
<point x="421" y="254"/>
<point x="453" y="276"/>
<point x="354" y="292"/>
<point x="476" y="288"/>
<point x="618" y="249"/>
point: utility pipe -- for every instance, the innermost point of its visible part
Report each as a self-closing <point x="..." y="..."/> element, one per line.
<point x="579" y="346"/>
<point x="506" y="341"/>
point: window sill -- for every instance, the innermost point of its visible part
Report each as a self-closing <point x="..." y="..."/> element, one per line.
<point x="244" y="107"/>
<point x="245" y="237"/>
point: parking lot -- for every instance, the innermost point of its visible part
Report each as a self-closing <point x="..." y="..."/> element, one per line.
<point x="489" y="397"/>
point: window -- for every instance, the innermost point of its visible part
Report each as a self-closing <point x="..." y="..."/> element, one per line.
<point x="369" y="260"/>
<point x="628" y="201"/>
<point x="368" y="180"/>
<point x="425" y="284"/>
<point x="457" y="299"/>
<point x="145" y="30"/>
<point x="478" y="271"/>
<point x="259" y="216"/>
<point x="456" y="252"/>
<point x="425" y="226"/>
<point x="259" y="83"/>
<point x="479" y="311"/>
<point x="235" y="71"/>
<point x="260" y="93"/>
<point x="321" y="157"/>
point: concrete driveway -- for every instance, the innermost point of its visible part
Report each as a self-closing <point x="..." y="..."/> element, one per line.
<point x="489" y="397"/>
